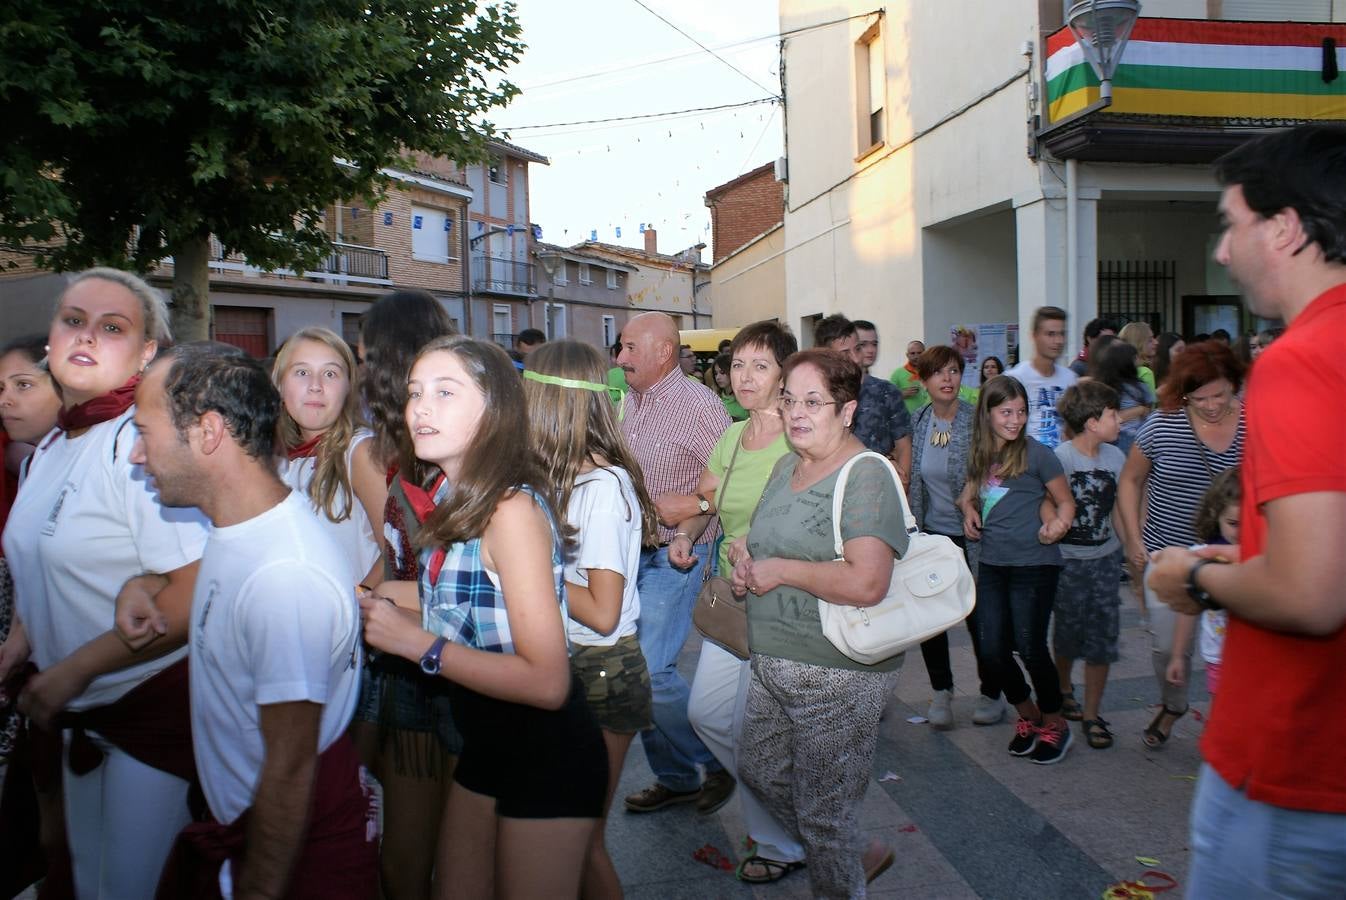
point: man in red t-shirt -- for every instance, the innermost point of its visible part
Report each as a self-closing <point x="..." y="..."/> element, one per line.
<point x="1269" y="817"/>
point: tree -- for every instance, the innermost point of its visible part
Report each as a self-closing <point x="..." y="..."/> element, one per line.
<point x="136" y="129"/>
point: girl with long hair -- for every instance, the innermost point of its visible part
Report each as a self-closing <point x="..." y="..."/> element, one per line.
<point x="1116" y="367"/>
<point x="1009" y="474"/>
<point x="328" y="455"/>
<point x="573" y="428"/>
<point x="1140" y="336"/>
<point x="532" y="777"/>
<point x="403" y="727"/>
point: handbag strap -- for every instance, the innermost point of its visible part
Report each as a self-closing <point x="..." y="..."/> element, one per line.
<point x="839" y="496"/>
<point x="713" y="563"/>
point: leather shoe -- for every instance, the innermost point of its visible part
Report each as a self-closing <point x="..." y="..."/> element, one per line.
<point x="715" y="792"/>
<point x="657" y="796"/>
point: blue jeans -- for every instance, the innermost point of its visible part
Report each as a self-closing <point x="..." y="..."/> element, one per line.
<point x="666" y="598"/>
<point x="1014" y="604"/>
<point x="1244" y="848"/>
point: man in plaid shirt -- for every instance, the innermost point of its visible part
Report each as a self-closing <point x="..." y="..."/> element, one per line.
<point x="672" y="423"/>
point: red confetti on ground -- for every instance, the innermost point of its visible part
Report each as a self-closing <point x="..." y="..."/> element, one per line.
<point x="711" y="856"/>
<point x="908" y="828"/>
<point x="1196" y="714"/>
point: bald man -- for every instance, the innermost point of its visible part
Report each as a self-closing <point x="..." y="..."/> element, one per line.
<point x="672" y="423"/>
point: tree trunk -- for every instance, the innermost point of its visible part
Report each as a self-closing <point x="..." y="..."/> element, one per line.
<point x="190" y="300"/>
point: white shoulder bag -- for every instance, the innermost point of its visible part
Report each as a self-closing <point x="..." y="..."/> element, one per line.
<point x="931" y="590"/>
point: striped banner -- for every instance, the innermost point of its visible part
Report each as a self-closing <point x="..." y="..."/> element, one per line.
<point x="1201" y="68"/>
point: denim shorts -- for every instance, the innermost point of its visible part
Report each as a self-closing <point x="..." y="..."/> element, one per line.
<point x="398" y="696"/>
<point x="616" y="684"/>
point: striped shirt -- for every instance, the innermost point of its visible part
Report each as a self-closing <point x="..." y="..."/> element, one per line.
<point x="672" y="428"/>
<point x="1181" y="469"/>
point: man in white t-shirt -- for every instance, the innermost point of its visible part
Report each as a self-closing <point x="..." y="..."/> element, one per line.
<point x="1043" y="377"/>
<point x="274" y="644"/>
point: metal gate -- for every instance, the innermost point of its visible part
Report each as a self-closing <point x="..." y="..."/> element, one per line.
<point x="1139" y="290"/>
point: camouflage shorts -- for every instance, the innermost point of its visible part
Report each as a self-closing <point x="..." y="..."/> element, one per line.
<point x="616" y="684"/>
<point x="1086" y="613"/>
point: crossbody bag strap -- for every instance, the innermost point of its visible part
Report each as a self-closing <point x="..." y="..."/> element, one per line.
<point x="713" y="564"/>
<point x="839" y="496"/>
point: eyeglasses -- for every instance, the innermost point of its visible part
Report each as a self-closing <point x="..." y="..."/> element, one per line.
<point x="810" y="404"/>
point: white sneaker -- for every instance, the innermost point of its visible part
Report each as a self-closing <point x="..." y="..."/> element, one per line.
<point x="941" y="710"/>
<point x="988" y="711"/>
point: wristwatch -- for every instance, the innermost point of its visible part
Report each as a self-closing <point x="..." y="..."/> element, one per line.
<point x="1196" y="592"/>
<point x="430" y="659"/>
<point x="702" y="503"/>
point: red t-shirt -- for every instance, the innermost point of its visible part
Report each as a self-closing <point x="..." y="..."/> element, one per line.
<point x="1277" y="730"/>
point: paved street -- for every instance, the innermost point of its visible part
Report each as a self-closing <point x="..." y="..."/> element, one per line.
<point x="968" y="819"/>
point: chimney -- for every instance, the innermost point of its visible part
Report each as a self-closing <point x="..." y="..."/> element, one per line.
<point x="651" y="241"/>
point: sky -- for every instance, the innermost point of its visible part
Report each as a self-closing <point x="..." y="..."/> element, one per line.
<point x="601" y="59"/>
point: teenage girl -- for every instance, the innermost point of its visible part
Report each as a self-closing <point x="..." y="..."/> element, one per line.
<point x="1009" y="475"/>
<point x="531" y="780"/>
<point x="328" y="454"/>
<point x="573" y="427"/>
<point x="1217" y="522"/>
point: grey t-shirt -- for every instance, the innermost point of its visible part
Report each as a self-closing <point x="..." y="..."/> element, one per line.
<point x="941" y="511"/>
<point x="1010" y="513"/>
<point x="798" y="525"/>
<point x="1093" y="483"/>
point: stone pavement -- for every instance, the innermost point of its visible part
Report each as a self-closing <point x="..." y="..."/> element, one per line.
<point x="968" y="819"/>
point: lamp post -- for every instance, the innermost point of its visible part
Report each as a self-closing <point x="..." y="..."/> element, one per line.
<point x="1102" y="28"/>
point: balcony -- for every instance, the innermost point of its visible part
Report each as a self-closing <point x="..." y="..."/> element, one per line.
<point x="1188" y="90"/>
<point x="497" y="275"/>
<point x="346" y="264"/>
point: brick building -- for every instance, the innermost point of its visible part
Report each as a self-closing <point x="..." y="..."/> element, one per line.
<point x="748" y="274"/>
<point x="743" y="209"/>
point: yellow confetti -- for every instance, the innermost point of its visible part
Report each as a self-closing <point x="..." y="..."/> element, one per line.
<point x="1147" y="861"/>
<point x="1184" y="777"/>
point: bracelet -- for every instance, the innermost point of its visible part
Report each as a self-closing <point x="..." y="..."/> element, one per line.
<point x="678" y="534"/>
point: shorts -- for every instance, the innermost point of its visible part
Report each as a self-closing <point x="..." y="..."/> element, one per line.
<point x="616" y="684"/>
<point x="1086" y="612"/>
<point x="398" y="696"/>
<point x="536" y="763"/>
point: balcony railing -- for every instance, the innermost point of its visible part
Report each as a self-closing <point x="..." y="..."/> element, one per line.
<point x="346" y="264"/>
<point x="496" y="275"/>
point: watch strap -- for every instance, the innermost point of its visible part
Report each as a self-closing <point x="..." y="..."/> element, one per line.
<point x="430" y="659"/>
<point x="1195" y="591"/>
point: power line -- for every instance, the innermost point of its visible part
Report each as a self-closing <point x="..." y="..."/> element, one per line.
<point x="658" y="115"/>
<point x="643" y="6"/>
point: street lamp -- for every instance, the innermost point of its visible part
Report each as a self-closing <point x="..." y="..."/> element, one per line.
<point x="1102" y="28"/>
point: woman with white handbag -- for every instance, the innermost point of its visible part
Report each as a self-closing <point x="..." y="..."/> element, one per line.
<point x="812" y="711"/>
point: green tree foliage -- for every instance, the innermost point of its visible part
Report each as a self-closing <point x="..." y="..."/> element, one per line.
<point x="243" y="119"/>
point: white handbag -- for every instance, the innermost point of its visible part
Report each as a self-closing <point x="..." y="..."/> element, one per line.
<point x="932" y="589"/>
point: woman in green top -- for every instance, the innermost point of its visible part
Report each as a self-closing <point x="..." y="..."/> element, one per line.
<point x="721" y="376"/>
<point x="751" y="449"/>
<point x="1139" y="335"/>
<point x="812" y="713"/>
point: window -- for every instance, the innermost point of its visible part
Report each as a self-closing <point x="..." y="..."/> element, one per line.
<point x="584" y="274"/>
<point x="556" y="321"/>
<point x="498" y="170"/>
<point x="245" y="327"/>
<point x="432" y="234"/>
<point x="871" y="86"/>
<point x="609" y="330"/>
<point x="612" y="279"/>
<point x="560" y="277"/>
<point x="350" y="327"/>
<point x="502" y="326"/>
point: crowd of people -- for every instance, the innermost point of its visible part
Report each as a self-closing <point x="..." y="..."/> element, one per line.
<point x="386" y="620"/>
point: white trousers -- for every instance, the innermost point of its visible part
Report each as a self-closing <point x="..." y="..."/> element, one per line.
<point x="719" y="696"/>
<point x="121" y="820"/>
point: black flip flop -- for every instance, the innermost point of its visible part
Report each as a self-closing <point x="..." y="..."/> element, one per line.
<point x="775" y="869"/>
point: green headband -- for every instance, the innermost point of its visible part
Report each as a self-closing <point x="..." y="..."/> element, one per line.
<point x="564" y="382"/>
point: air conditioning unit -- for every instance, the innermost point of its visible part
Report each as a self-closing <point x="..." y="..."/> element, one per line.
<point x="782" y="169"/>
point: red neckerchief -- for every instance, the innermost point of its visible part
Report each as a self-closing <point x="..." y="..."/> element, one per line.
<point x="912" y="370"/>
<point x="306" y="449"/>
<point x="99" y="409"/>
<point x="422" y="503"/>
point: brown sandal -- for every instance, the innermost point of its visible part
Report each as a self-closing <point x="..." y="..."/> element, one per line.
<point x="1152" y="736"/>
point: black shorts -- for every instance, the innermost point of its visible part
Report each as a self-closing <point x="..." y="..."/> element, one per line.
<point x="536" y="763"/>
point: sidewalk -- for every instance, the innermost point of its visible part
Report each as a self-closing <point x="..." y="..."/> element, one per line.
<point x="968" y="819"/>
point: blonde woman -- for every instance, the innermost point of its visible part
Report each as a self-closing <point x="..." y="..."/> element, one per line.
<point x="328" y="453"/>
<point x="1139" y="335"/>
<point x="573" y="427"/>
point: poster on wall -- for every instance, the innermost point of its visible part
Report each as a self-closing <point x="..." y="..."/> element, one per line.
<point x="976" y="343"/>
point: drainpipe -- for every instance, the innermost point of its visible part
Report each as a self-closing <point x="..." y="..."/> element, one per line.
<point x="466" y="268"/>
<point x="1072" y="251"/>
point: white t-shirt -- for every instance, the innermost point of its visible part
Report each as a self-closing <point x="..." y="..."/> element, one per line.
<point x="605" y="509"/>
<point x="355" y="535"/>
<point x="85" y="522"/>
<point x="273" y="621"/>
<point x="1044" y="425"/>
